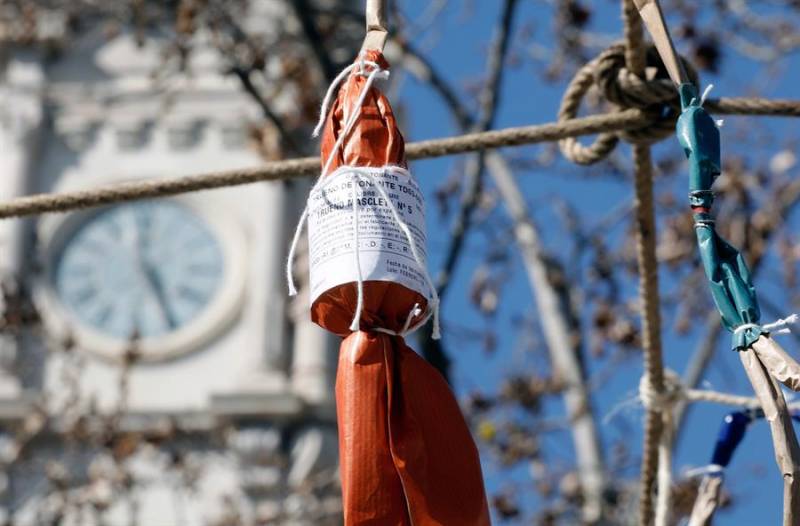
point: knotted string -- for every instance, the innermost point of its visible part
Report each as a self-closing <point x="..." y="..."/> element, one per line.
<point x="364" y="173"/>
<point x="703" y="98"/>
<point x="663" y="402"/>
<point x="368" y="174"/>
<point x="326" y="104"/>
<point x="777" y="327"/>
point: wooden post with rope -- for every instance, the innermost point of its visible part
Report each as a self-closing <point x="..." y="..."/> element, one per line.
<point x="648" y="282"/>
<point x="764" y="361"/>
<point x="787" y="451"/>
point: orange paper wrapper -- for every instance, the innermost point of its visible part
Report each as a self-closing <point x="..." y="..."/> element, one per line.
<point x="406" y="453"/>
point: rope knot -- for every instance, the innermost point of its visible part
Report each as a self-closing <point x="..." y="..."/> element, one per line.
<point x="627" y="90"/>
<point x="661" y="401"/>
<point x="655" y="96"/>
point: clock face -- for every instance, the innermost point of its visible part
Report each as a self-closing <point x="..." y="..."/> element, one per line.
<point x="143" y="270"/>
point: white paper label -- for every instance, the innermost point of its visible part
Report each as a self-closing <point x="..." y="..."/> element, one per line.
<point x="384" y="250"/>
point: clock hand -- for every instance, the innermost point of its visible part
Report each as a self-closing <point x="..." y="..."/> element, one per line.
<point x="157" y="286"/>
<point x="150" y="275"/>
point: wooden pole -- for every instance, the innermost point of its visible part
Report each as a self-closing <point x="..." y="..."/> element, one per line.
<point x="778" y="363"/>
<point x="707" y="501"/>
<point x="651" y="14"/>
<point x="377" y="25"/>
<point x="787" y="451"/>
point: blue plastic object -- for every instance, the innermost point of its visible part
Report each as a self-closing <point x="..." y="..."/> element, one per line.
<point x="731" y="433"/>
<point x="725" y="268"/>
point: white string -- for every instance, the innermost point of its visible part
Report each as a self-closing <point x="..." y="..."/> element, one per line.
<point x="356" y="174"/>
<point x="351" y="120"/>
<point x="326" y="102"/>
<point x="355" y="325"/>
<point x="423" y="267"/>
<point x="413" y="313"/>
<point x="746" y="326"/>
<point x="776" y="327"/>
<point x="416" y="311"/>
<point x="705" y="94"/>
<point x="377" y="72"/>
<point x="781" y="325"/>
<point x="292" y="249"/>
<point x="711" y="470"/>
<point x="718" y="122"/>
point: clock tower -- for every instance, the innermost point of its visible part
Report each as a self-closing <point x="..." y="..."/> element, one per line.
<point x="169" y="380"/>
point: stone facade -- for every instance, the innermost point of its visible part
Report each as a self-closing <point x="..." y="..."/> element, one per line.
<point x="226" y="418"/>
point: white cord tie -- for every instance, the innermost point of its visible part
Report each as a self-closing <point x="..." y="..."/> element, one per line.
<point x="413" y="313"/>
<point x="326" y="102"/>
<point x="718" y="122"/>
<point x="780" y="326"/>
<point x="350" y="122"/>
<point x="661" y="401"/>
<point x="363" y="173"/>
<point x="705" y="94"/>
<point x="711" y="470"/>
<point x="356" y="174"/>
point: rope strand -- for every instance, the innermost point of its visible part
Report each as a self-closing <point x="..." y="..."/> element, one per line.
<point x="658" y="433"/>
<point x="630" y="119"/>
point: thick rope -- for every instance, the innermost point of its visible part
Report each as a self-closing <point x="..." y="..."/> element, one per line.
<point x="630" y="119"/>
<point x="675" y="391"/>
<point x="656" y="97"/>
<point x="662" y="402"/>
<point x="651" y="323"/>
<point x="657" y="440"/>
<point x="295" y="168"/>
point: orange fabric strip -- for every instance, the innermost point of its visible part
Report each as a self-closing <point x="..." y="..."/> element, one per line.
<point x="407" y="456"/>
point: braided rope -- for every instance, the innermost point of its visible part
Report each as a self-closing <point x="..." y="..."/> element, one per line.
<point x="605" y="124"/>
<point x="656" y="97"/>
<point x="674" y="391"/>
<point x="573" y="150"/>
<point x="651" y="322"/>
<point x="656" y="450"/>
<point x="290" y="169"/>
<point x="753" y="106"/>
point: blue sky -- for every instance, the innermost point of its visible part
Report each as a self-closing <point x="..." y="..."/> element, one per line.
<point x="457" y="47"/>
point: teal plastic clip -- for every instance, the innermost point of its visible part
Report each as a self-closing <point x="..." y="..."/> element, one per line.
<point x="726" y="270"/>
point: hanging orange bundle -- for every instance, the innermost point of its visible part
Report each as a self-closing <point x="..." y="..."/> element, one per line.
<point x="406" y="453"/>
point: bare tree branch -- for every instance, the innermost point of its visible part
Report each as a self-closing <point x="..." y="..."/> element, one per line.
<point x="558" y="325"/>
<point x="304" y="13"/>
<point x="562" y="334"/>
<point x="489" y="99"/>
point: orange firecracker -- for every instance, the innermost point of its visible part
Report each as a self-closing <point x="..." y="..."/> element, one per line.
<point x="406" y="453"/>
